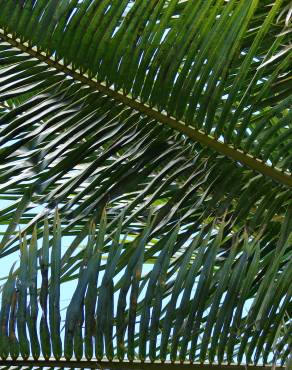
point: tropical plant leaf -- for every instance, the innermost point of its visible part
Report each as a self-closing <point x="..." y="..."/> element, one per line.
<point x="205" y="270"/>
<point x="139" y="133"/>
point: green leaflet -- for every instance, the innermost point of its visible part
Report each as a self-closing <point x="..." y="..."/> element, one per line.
<point x="159" y="268"/>
<point x="201" y="294"/>
<point x="229" y="303"/>
<point x="128" y="278"/>
<point x="16" y="218"/>
<point x="6" y="301"/>
<point x="33" y="314"/>
<point x="74" y="314"/>
<point x="54" y="290"/>
<point x="44" y="291"/>
<point x="243" y="295"/>
<point x="170" y="312"/>
<point x="158" y="297"/>
<point x="22" y="285"/>
<point x="104" y="310"/>
<point x="91" y="294"/>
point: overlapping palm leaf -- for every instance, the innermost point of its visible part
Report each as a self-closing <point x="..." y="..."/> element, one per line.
<point x="191" y="291"/>
<point x="172" y="59"/>
<point x="174" y="109"/>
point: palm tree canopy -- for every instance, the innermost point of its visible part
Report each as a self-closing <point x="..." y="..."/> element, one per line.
<point x="153" y="137"/>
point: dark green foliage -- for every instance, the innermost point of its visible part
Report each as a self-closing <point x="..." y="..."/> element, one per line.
<point x="154" y="133"/>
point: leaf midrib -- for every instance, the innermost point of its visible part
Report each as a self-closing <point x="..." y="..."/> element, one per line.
<point x="196" y="135"/>
<point x="130" y="365"/>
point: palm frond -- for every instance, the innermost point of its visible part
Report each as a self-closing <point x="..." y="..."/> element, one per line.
<point x="216" y="298"/>
<point x="85" y="150"/>
<point x="140" y="60"/>
<point x="160" y="133"/>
